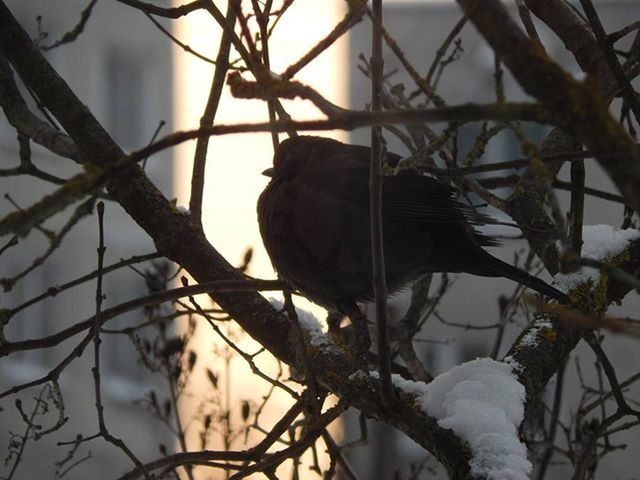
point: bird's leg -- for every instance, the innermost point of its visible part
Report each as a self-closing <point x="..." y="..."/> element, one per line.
<point x="360" y="330"/>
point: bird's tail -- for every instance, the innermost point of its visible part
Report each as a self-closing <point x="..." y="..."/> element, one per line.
<point x="490" y="266"/>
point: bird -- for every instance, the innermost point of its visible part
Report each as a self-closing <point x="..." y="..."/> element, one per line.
<point x="313" y="217"/>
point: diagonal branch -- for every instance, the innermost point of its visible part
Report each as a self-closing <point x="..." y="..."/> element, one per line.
<point x="19" y="115"/>
<point x="209" y="115"/>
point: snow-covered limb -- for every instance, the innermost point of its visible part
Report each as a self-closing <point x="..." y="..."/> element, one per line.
<point x="315" y="330"/>
<point x="602" y="243"/>
<point x="482" y="402"/>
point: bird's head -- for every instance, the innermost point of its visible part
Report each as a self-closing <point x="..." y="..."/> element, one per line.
<point x="297" y="154"/>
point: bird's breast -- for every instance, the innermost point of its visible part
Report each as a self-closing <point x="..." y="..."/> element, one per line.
<point x="315" y="241"/>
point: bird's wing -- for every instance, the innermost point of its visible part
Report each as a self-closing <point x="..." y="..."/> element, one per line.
<point x="420" y="198"/>
<point x="406" y="196"/>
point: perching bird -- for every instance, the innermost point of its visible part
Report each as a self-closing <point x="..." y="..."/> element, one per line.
<point x="314" y="222"/>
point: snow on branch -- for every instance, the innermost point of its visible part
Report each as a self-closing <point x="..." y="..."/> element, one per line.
<point x="601" y="243"/>
<point x="482" y="402"/>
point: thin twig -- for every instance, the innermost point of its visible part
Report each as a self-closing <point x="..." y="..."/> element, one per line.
<point x="609" y="370"/>
<point x="74" y="33"/>
<point x="55" y="241"/>
<point x="97" y="320"/>
<point x="248" y="358"/>
<point x="29" y="430"/>
<point x="262" y="17"/>
<point x="352" y="17"/>
<point x="615" y="36"/>
<point x="420" y="82"/>
<point x="175" y="40"/>
<point x="525" y="16"/>
<point x="20" y="116"/>
<point x="577" y="205"/>
<point x="375" y="208"/>
<point x="54" y="290"/>
<point x="174" y="12"/>
<point x="553" y="424"/>
<point x="404" y="330"/>
<point x="207" y="119"/>
<point x="151" y="299"/>
<point x="607" y="50"/>
<point x="270" y="461"/>
<point x="103" y="431"/>
<point x="301" y="350"/>
<point x="455" y="31"/>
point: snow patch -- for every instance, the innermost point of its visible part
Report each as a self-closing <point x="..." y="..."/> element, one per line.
<point x="601" y="242"/>
<point x="483" y="403"/>
<point x="183" y="211"/>
<point x="530" y="339"/>
<point x="315" y="329"/>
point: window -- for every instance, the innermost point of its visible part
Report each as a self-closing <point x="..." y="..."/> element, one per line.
<point x="32" y="322"/>
<point x="125" y="94"/>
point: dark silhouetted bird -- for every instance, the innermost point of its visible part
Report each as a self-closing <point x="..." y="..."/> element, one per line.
<point x="314" y="221"/>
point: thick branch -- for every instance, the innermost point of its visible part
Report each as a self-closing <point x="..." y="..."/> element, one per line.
<point x="19" y="115"/>
<point x="576" y="107"/>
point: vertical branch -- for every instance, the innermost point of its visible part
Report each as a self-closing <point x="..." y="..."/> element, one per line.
<point x="375" y="210"/>
<point x="262" y="17"/>
<point x="525" y="16"/>
<point x="301" y="350"/>
<point x="200" y="157"/>
<point x="97" y="320"/>
<point x="553" y="423"/>
<point x="577" y="205"/>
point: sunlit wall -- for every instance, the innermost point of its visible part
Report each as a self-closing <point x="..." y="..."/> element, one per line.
<point x="234" y="163"/>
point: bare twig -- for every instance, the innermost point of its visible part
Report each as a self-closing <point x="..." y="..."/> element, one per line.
<point x="31" y="429"/>
<point x="406" y="328"/>
<point x="262" y="17"/>
<point x="607" y="49"/>
<point x="55" y="241"/>
<point x="151" y="299"/>
<point x="97" y="320"/>
<point x="609" y="370"/>
<point x="103" y="431"/>
<point x="375" y="207"/>
<point x="19" y="115"/>
<point x="315" y="430"/>
<point x="553" y="424"/>
<point x="525" y="16"/>
<point x="248" y="358"/>
<point x="174" y="12"/>
<point x="175" y="40"/>
<point x="353" y="119"/>
<point x="301" y="349"/>
<point x="54" y="290"/>
<point x="352" y="17"/>
<point x="615" y="36"/>
<point x="577" y="205"/>
<point x="455" y="31"/>
<point x="75" y="32"/>
<point x="421" y="83"/>
<point x="207" y="119"/>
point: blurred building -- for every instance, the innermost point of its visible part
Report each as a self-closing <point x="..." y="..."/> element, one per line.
<point x="121" y="67"/>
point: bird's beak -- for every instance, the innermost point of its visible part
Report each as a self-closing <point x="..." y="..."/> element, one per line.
<point x="268" y="172"/>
